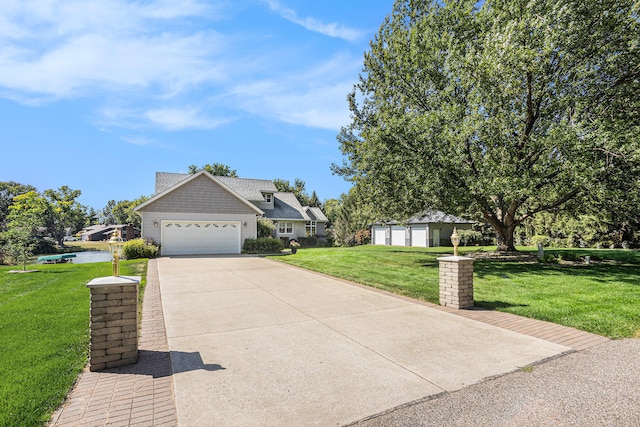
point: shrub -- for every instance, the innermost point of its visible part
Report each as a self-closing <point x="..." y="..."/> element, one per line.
<point x="138" y="248"/>
<point x="262" y="245"/>
<point x="540" y="240"/>
<point x="362" y="237"/>
<point x="470" y="237"/>
<point x="266" y="227"/>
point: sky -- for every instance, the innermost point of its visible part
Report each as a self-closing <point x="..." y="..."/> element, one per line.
<point x="99" y="95"/>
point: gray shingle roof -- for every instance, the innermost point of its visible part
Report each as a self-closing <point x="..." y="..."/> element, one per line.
<point x="286" y="206"/>
<point x="315" y="214"/>
<point x="250" y="189"/>
<point x="166" y="180"/>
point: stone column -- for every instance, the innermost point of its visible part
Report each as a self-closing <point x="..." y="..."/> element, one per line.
<point x="456" y="281"/>
<point x="114" y="322"/>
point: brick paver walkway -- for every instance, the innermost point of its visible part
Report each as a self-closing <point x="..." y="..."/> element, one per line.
<point x="134" y="395"/>
<point x="563" y="335"/>
<point x="142" y="394"/>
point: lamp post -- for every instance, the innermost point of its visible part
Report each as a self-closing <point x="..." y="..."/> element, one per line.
<point x="115" y="248"/>
<point x="455" y="240"/>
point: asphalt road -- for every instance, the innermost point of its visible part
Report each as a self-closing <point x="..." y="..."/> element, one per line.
<point x="599" y="386"/>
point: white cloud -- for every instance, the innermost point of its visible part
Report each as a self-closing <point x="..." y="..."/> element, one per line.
<point x="183" y="118"/>
<point x="167" y="119"/>
<point x="159" y="64"/>
<point x="61" y="49"/>
<point x="317" y="98"/>
<point x="312" y="24"/>
<point x="137" y="140"/>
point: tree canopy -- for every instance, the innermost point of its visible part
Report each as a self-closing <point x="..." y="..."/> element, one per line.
<point x="299" y="189"/>
<point x="497" y="111"/>
<point x="216" y="169"/>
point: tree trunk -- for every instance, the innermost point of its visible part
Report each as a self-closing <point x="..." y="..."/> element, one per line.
<point x="504" y="237"/>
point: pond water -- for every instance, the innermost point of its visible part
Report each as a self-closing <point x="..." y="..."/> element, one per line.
<point x="91" y="256"/>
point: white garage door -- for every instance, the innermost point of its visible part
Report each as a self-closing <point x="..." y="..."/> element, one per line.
<point x="397" y="236"/>
<point x="419" y="237"/>
<point x="200" y="237"/>
<point x="379" y="236"/>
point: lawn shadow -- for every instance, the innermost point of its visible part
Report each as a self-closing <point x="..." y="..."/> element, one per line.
<point x="493" y="305"/>
<point x="622" y="273"/>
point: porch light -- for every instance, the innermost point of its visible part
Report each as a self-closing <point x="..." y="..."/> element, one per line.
<point x="115" y="248"/>
<point x="455" y="241"/>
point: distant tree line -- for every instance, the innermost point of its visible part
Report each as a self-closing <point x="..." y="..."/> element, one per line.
<point x="35" y="222"/>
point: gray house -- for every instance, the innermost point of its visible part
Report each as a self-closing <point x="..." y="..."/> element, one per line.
<point x="432" y="228"/>
<point x="206" y="214"/>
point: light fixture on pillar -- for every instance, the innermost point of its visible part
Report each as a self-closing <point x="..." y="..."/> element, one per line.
<point x="115" y="248"/>
<point x="455" y="241"/>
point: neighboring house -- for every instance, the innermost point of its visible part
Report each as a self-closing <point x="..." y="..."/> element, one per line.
<point x="99" y="232"/>
<point x="206" y="214"/>
<point x="433" y="228"/>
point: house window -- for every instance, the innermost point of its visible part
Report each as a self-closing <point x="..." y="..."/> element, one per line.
<point x="285" y="227"/>
<point x="311" y="228"/>
<point x="268" y="197"/>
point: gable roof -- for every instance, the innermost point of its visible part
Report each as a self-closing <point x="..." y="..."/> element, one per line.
<point x="286" y="206"/>
<point x="315" y="214"/>
<point x="166" y="180"/>
<point x="186" y="179"/>
<point x="251" y="189"/>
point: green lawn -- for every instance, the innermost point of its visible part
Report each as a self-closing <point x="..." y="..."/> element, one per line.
<point x="44" y="336"/>
<point x="603" y="298"/>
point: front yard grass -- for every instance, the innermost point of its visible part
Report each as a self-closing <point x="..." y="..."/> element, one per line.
<point x="44" y="336"/>
<point x="603" y="298"/>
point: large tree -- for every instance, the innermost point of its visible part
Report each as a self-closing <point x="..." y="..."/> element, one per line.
<point x="121" y="212"/>
<point x="27" y="212"/>
<point x="9" y="190"/>
<point x="299" y="189"/>
<point x="64" y="212"/>
<point x="216" y="169"/>
<point x="497" y="110"/>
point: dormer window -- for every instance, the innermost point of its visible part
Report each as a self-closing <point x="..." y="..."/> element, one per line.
<point x="268" y="197"/>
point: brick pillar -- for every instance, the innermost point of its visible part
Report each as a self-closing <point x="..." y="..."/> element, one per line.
<point x="456" y="281"/>
<point x="114" y="322"/>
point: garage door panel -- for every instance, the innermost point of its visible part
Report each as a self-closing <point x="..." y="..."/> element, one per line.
<point x="419" y="237"/>
<point x="200" y="237"/>
<point x="398" y="236"/>
<point x="379" y="236"/>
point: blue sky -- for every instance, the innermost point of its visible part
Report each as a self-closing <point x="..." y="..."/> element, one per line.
<point x="99" y="95"/>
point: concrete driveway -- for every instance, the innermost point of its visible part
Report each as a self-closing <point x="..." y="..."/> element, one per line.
<point x="258" y="343"/>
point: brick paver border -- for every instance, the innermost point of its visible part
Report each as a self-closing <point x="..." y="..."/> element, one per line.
<point x="563" y="335"/>
<point x="134" y="395"/>
<point x="142" y="394"/>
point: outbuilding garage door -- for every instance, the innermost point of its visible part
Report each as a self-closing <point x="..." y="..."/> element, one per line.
<point x="200" y="237"/>
<point x="397" y="236"/>
<point x="419" y="236"/>
<point x="379" y="236"/>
